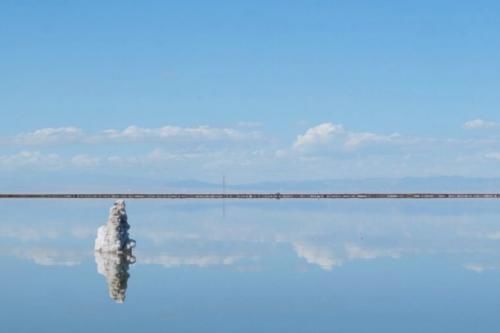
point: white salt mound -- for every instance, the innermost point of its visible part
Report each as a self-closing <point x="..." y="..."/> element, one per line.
<point x="113" y="237"/>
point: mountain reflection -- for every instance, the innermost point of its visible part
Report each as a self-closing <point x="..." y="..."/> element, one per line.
<point x="115" y="266"/>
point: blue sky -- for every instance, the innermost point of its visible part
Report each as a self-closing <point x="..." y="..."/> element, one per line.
<point x="258" y="90"/>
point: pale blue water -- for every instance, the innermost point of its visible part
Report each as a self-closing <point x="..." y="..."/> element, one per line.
<point x="311" y="266"/>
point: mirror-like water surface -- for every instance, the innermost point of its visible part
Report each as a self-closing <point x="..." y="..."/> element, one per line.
<point x="320" y="266"/>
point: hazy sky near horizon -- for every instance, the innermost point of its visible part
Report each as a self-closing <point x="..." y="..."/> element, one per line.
<point x="257" y="90"/>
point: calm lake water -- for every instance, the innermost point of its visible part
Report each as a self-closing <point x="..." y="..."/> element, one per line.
<point x="266" y="266"/>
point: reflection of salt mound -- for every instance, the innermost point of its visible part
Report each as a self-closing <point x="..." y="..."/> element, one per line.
<point x="113" y="237"/>
<point x="114" y="266"/>
<point x="114" y="251"/>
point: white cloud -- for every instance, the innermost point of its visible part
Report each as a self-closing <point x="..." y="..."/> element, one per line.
<point x="49" y="136"/>
<point x="480" y="124"/>
<point x="170" y="261"/>
<point x="356" y="252"/>
<point x="134" y="133"/>
<point x="65" y="135"/>
<point x="31" y="159"/>
<point x="51" y="257"/>
<point x="157" y="157"/>
<point x="324" y="258"/>
<point x="478" y="268"/>
<point x="27" y="233"/>
<point x="85" y="161"/>
<point x="320" y="134"/>
<point x="493" y="235"/>
<point x="115" y="160"/>
<point x="357" y="139"/>
<point x="329" y="135"/>
<point x="327" y="257"/>
<point x="161" y="236"/>
<point x="493" y="156"/>
<point x="206" y="152"/>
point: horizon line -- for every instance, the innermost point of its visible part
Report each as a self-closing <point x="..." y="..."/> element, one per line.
<point x="276" y="195"/>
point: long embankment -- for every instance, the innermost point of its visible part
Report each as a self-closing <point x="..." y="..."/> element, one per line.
<point x="251" y="196"/>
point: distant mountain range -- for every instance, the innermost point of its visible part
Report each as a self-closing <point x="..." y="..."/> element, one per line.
<point x="68" y="183"/>
<point x="410" y="184"/>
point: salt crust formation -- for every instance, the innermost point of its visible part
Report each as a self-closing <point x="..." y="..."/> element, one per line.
<point x="113" y="237"/>
<point x="113" y="251"/>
